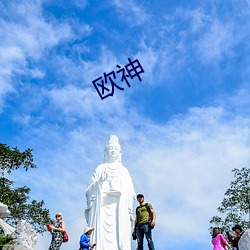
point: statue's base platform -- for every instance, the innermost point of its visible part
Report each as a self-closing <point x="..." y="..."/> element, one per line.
<point x="13" y="247"/>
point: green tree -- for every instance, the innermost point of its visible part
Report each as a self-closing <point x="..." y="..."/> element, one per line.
<point x="17" y="199"/>
<point x="235" y="206"/>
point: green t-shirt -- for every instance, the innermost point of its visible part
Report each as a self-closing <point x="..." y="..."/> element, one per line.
<point x="142" y="214"/>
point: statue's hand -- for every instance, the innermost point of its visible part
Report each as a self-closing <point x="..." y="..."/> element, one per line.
<point x="104" y="176"/>
<point x="90" y="201"/>
<point x="89" y="205"/>
<point x="132" y="217"/>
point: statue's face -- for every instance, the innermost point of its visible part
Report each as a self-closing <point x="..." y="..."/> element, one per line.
<point x="114" y="150"/>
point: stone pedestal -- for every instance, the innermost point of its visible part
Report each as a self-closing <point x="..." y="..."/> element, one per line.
<point x="13" y="247"/>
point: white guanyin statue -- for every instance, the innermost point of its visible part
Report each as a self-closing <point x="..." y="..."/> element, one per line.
<point x="110" y="197"/>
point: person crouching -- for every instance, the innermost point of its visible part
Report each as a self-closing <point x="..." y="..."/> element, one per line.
<point x="85" y="239"/>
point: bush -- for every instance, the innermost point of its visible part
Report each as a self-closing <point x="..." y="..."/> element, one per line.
<point x="6" y="240"/>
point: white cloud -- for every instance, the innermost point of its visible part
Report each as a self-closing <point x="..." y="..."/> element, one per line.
<point x="25" y="35"/>
<point x="239" y="101"/>
<point x="80" y="3"/>
<point x="79" y="97"/>
<point x="183" y="167"/>
<point x="217" y="42"/>
<point x="85" y="102"/>
<point x="106" y="62"/>
<point x="190" y="34"/>
<point x="148" y="59"/>
<point x="73" y="95"/>
<point x="198" y="20"/>
<point x="32" y="33"/>
<point x="131" y="12"/>
<point x="10" y="58"/>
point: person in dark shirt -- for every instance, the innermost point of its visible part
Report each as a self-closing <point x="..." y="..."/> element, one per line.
<point x="236" y="237"/>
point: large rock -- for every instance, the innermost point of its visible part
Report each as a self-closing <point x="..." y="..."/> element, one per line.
<point x="4" y="212"/>
<point x="244" y="242"/>
<point x="25" y="235"/>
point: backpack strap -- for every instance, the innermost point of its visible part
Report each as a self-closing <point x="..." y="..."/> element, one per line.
<point x="147" y="207"/>
<point x="137" y="210"/>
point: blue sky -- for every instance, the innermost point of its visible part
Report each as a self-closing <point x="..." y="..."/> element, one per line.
<point x="183" y="128"/>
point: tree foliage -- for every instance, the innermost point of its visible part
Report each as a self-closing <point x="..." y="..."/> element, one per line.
<point x="13" y="158"/>
<point x="17" y="199"/>
<point x="235" y="206"/>
<point x="6" y="239"/>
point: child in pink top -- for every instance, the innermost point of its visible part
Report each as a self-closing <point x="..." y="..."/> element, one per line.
<point x="218" y="240"/>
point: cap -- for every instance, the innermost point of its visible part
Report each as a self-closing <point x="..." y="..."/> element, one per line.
<point x="140" y="195"/>
<point x="237" y="227"/>
<point x="59" y="213"/>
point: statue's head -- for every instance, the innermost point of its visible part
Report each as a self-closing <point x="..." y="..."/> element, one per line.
<point x="113" y="150"/>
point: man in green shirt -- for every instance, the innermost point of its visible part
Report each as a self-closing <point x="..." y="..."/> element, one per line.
<point x="144" y="223"/>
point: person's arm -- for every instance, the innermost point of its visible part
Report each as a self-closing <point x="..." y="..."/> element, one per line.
<point x="224" y="242"/>
<point x="135" y="224"/>
<point x="154" y="217"/>
<point x="232" y="235"/>
<point x="84" y="241"/>
<point x="92" y="246"/>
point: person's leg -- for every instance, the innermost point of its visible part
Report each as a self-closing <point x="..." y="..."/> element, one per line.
<point x="51" y="247"/>
<point x="56" y="244"/>
<point x="140" y="231"/>
<point x="148" y="234"/>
